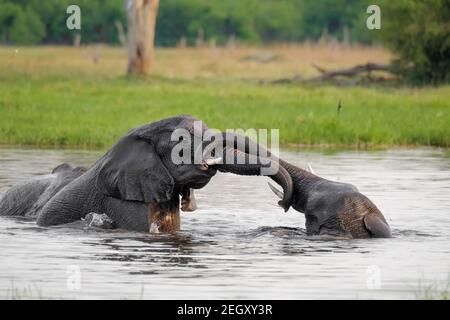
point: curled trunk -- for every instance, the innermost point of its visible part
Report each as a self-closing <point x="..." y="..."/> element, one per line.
<point x="301" y="179"/>
<point x="241" y="163"/>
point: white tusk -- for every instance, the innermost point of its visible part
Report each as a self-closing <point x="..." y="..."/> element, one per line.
<point x="211" y="162"/>
<point x="310" y="169"/>
<point x="275" y="190"/>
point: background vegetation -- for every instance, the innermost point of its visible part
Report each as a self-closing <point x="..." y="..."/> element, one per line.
<point x="78" y="96"/>
<point x="249" y="20"/>
<point x="418" y="31"/>
<point x="63" y="97"/>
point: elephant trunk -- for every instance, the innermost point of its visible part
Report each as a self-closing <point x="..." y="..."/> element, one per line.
<point x="241" y="163"/>
<point x="240" y="155"/>
<point x="302" y="180"/>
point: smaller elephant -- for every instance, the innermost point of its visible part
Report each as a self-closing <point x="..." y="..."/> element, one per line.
<point x="332" y="209"/>
<point x="27" y="199"/>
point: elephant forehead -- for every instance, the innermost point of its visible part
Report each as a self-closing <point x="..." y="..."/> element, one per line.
<point x="193" y="125"/>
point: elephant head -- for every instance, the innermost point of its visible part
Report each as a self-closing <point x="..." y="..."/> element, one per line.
<point x="139" y="166"/>
<point x="331" y="208"/>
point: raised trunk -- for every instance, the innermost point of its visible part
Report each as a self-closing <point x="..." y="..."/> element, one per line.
<point x="141" y="33"/>
<point x="303" y="181"/>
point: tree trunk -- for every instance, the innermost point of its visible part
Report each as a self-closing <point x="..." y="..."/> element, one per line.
<point x="141" y="33"/>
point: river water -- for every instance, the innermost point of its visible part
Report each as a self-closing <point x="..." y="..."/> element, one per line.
<point x="239" y="244"/>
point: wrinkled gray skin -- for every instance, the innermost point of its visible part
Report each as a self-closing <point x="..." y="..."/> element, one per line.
<point x="27" y="199"/>
<point x="136" y="175"/>
<point x="332" y="209"/>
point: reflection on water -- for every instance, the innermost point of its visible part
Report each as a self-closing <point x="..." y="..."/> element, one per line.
<point x="239" y="244"/>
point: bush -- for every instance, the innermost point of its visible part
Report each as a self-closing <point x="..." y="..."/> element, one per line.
<point x="418" y="31"/>
<point x="20" y="26"/>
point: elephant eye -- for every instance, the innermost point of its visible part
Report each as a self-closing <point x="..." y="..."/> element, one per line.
<point x="181" y="153"/>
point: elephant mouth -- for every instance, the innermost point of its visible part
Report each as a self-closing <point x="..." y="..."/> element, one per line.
<point x="198" y="184"/>
<point x="210" y="171"/>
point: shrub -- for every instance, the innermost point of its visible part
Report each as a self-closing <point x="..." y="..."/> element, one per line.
<point x="418" y="31"/>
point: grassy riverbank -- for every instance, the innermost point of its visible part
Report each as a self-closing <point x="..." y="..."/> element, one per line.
<point x="59" y="97"/>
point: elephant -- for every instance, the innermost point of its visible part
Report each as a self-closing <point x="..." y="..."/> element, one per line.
<point x="137" y="184"/>
<point x="332" y="209"/>
<point x="27" y="199"/>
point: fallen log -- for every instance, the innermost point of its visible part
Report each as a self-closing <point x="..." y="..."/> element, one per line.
<point x="349" y="72"/>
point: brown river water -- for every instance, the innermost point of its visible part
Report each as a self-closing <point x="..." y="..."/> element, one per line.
<point x="239" y="244"/>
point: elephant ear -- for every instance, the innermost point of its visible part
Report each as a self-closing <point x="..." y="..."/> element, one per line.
<point x="133" y="171"/>
<point x="61" y="168"/>
<point x="377" y="226"/>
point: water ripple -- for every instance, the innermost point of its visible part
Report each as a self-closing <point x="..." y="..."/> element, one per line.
<point x="239" y="244"/>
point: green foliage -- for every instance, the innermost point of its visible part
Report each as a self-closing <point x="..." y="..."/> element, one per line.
<point x="20" y="26"/>
<point x="217" y="19"/>
<point x="250" y="20"/>
<point x="99" y="18"/>
<point x="332" y="16"/>
<point x="419" y="32"/>
<point x="279" y="21"/>
<point x="37" y="21"/>
<point x="52" y="13"/>
<point x="258" y="20"/>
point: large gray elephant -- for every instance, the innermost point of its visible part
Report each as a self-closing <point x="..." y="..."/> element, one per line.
<point x="138" y="185"/>
<point x="332" y="209"/>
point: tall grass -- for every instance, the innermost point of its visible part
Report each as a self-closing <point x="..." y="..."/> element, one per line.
<point x="30" y="292"/>
<point x="434" y="290"/>
<point x="187" y="63"/>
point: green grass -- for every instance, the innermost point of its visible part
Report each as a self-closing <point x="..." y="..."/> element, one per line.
<point x="94" y="113"/>
<point x="43" y="103"/>
<point x="434" y="290"/>
<point x="30" y="292"/>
